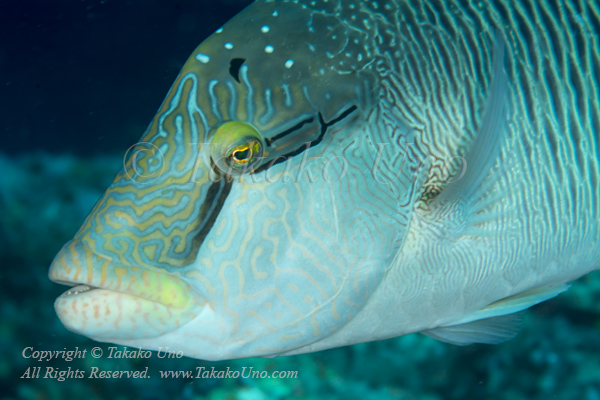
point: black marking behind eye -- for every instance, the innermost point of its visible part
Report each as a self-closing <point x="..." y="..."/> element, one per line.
<point x="308" y="145"/>
<point x="288" y="131"/>
<point x="325" y="125"/>
<point x="341" y="117"/>
<point x="211" y="207"/>
<point x="234" y="68"/>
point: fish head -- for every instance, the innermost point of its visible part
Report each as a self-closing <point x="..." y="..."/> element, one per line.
<point x="243" y="223"/>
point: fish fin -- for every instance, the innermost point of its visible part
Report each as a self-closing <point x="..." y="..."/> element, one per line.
<point x="496" y="322"/>
<point x="489" y="331"/>
<point x="486" y="144"/>
<point x="518" y="302"/>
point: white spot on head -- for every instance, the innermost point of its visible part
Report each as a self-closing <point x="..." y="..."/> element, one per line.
<point x="311" y="47"/>
<point x="360" y="57"/>
<point x="289" y="63"/>
<point x="275" y="13"/>
<point x="229" y="46"/>
<point x="322" y="71"/>
<point x="265" y="29"/>
<point x="269" y="49"/>
<point x="203" y="58"/>
<point x="219" y="30"/>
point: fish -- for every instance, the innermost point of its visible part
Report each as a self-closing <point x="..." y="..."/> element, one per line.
<point x="326" y="173"/>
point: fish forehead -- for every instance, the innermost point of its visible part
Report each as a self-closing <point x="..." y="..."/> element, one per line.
<point x="159" y="208"/>
<point x="292" y="58"/>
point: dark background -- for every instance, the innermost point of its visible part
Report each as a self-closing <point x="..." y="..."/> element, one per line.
<point x="86" y="77"/>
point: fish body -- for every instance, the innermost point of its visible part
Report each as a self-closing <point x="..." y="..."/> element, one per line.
<point x="326" y="173"/>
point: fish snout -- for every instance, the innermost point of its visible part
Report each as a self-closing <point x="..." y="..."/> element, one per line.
<point x="110" y="301"/>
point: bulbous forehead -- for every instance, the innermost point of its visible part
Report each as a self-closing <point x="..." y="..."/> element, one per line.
<point x="287" y="54"/>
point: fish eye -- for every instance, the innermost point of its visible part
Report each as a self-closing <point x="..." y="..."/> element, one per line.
<point x="237" y="148"/>
<point x="244" y="153"/>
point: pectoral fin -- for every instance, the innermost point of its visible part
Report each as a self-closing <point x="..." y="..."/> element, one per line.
<point x="486" y="145"/>
<point x="495" y="323"/>
<point x="489" y="331"/>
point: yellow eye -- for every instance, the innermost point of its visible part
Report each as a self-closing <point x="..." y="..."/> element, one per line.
<point x="236" y="148"/>
<point x="244" y="153"/>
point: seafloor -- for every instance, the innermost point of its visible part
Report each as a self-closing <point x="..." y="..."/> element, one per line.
<point x="62" y="144"/>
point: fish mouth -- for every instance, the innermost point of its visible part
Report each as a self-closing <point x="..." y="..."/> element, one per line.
<point x="77" y="289"/>
<point x="110" y="301"/>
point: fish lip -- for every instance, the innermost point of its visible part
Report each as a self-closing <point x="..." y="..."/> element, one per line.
<point x="76" y="265"/>
<point x="110" y="301"/>
<point x="79" y="284"/>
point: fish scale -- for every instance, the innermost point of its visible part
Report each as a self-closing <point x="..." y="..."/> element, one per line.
<point x="326" y="173"/>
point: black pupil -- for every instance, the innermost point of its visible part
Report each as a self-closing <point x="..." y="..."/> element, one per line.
<point x="241" y="155"/>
